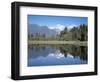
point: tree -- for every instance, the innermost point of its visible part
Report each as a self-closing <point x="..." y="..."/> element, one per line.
<point x="76" y="33"/>
<point x="44" y="35"/>
<point x="63" y="32"/>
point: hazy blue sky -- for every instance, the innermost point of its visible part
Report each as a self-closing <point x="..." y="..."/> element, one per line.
<point x="57" y="21"/>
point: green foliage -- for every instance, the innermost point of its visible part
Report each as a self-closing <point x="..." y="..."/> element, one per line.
<point x="78" y="33"/>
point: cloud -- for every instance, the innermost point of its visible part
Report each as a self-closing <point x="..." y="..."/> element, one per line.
<point x="58" y="26"/>
<point x="71" y="26"/>
<point x="56" y="55"/>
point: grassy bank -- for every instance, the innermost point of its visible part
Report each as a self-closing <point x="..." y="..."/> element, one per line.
<point x="81" y="43"/>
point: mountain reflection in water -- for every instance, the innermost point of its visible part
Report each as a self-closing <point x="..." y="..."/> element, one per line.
<point x="49" y="55"/>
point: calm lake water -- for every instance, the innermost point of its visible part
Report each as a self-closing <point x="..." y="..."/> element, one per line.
<point x="49" y="55"/>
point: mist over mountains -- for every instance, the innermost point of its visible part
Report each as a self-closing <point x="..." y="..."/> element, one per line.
<point x="35" y="28"/>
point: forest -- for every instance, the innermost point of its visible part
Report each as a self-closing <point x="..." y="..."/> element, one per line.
<point x="77" y="33"/>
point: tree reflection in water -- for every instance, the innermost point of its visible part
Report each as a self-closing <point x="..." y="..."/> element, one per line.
<point x="59" y="50"/>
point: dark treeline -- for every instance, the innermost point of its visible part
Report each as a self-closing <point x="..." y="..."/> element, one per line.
<point x="76" y="33"/>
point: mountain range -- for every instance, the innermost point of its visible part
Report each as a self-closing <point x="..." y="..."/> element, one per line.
<point x="35" y="28"/>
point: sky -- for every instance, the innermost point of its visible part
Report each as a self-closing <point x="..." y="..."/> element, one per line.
<point x="57" y="22"/>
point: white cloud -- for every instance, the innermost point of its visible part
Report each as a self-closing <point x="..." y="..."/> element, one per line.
<point x="57" y="55"/>
<point x="71" y="26"/>
<point x="58" y="27"/>
<point x="70" y="56"/>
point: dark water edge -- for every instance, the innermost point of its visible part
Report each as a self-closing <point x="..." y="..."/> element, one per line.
<point x="52" y="55"/>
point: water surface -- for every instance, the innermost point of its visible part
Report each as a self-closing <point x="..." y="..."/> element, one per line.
<point x="50" y="55"/>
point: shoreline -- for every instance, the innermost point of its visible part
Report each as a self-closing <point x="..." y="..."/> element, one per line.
<point x="81" y="43"/>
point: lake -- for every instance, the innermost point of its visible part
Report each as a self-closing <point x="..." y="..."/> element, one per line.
<point x="50" y="55"/>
